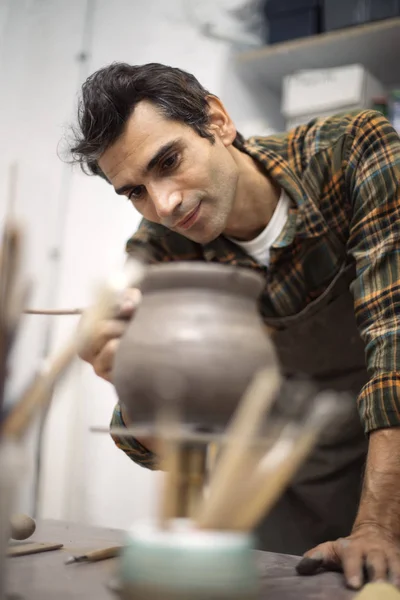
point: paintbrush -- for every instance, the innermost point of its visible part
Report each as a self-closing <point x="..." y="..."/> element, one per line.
<point x="246" y="422"/>
<point x="276" y="469"/>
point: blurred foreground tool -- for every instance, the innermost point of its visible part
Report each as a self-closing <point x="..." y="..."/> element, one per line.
<point x="13" y="287"/>
<point x="378" y="591"/>
<point x="13" y="293"/>
<point x="25" y="549"/>
<point x="38" y="394"/>
<point x="95" y="556"/>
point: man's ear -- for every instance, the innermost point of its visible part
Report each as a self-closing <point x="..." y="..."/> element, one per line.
<point x="220" y="123"/>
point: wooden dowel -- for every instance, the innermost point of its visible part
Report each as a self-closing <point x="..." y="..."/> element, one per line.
<point x="196" y="457"/>
<point x="271" y="481"/>
<point x="38" y="393"/>
<point x="54" y="312"/>
<point x="31" y="548"/>
<point x="11" y="296"/>
<point x="257" y="400"/>
<point x="169" y="452"/>
<point x="282" y="461"/>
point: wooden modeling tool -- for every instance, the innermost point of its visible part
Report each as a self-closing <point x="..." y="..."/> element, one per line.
<point x="169" y="452"/>
<point x="274" y="471"/>
<point x="54" y="312"/>
<point x="247" y="420"/>
<point x="95" y="555"/>
<point x="32" y="548"/>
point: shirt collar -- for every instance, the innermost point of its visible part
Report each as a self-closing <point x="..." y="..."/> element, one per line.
<point x="304" y="219"/>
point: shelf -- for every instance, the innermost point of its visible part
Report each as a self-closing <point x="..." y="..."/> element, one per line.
<point x="375" y="45"/>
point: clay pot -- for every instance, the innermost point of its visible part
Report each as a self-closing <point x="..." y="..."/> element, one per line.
<point x="196" y="339"/>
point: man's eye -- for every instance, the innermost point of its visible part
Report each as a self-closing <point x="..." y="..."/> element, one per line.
<point x="169" y="162"/>
<point x="136" y="192"/>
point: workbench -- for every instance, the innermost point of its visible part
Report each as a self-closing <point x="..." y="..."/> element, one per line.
<point x="46" y="577"/>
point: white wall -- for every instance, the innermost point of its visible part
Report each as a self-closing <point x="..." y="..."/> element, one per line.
<point x="85" y="478"/>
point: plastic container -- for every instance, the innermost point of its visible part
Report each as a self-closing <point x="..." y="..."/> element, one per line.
<point x="339" y="14"/>
<point x="182" y="563"/>
<point x="291" y="19"/>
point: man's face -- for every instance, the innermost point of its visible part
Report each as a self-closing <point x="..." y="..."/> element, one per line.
<point x="172" y="175"/>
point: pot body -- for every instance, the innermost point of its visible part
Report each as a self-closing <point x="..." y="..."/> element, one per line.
<point x="195" y="341"/>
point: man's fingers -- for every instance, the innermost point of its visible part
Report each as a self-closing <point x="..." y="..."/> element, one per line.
<point x="322" y="556"/>
<point x="106" y="331"/>
<point x="309" y="565"/>
<point x="128" y="303"/>
<point x="376" y="565"/>
<point x="104" y="361"/>
<point x="352" y="564"/>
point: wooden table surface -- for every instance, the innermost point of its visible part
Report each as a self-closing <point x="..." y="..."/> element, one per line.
<point x="46" y="577"/>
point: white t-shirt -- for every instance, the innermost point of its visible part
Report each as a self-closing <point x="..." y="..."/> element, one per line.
<point x="259" y="248"/>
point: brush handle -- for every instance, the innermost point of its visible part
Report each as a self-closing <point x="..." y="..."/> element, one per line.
<point x="103" y="554"/>
<point x="245" y="425"/>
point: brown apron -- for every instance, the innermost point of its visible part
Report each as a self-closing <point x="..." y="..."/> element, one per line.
<point x="322" y="342"/>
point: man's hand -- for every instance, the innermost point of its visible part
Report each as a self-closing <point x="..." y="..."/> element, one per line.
<point x="369" y="553"/>
<point x="100" y="352"/>
<point x="372" y="550"/>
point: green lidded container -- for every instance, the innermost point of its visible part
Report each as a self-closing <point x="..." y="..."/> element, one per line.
<point x="182" y="563"/>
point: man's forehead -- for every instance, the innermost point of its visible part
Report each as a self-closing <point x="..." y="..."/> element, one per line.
<point x="146" y="131"/>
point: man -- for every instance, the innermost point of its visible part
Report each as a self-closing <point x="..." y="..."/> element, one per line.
<point x="316" y="211"/>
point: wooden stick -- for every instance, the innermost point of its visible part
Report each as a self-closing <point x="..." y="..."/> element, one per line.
<point x="11" y="296"/>
<point x="195" y="475"/>
<point x="140" y="431"/>
<point x="247" y="420"/>
<point x="170" y="456"/>
<point x="54" y="312"/>
<point x="280" y="463"/>
<point x="236" y="500"/>
<point x="272" y="480"/>
<point x="38" y="393"/>
<point x="31" y="548"/>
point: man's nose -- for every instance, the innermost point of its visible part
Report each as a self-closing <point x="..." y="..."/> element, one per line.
<point x="166" y="203"/>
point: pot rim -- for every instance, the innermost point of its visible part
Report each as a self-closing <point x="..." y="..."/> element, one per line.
<point x="198" y="274"/>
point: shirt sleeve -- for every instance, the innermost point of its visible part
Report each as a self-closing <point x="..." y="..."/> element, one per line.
<point x="373" y="176"/>
<point x="131" y="446"/>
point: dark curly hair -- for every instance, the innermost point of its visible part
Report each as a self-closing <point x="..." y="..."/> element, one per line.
<point x="109" y="97"/>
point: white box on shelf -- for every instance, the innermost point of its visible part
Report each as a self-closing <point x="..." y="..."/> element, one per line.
<point x="323" y="92"/>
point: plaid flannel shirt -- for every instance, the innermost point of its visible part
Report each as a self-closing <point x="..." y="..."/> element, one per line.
<point x="342" y="175"/>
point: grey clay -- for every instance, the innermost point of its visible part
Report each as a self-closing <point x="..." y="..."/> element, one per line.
<point x="194" y="342"/>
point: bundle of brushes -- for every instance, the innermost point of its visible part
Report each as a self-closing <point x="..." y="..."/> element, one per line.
<point x="207" y="517"/>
